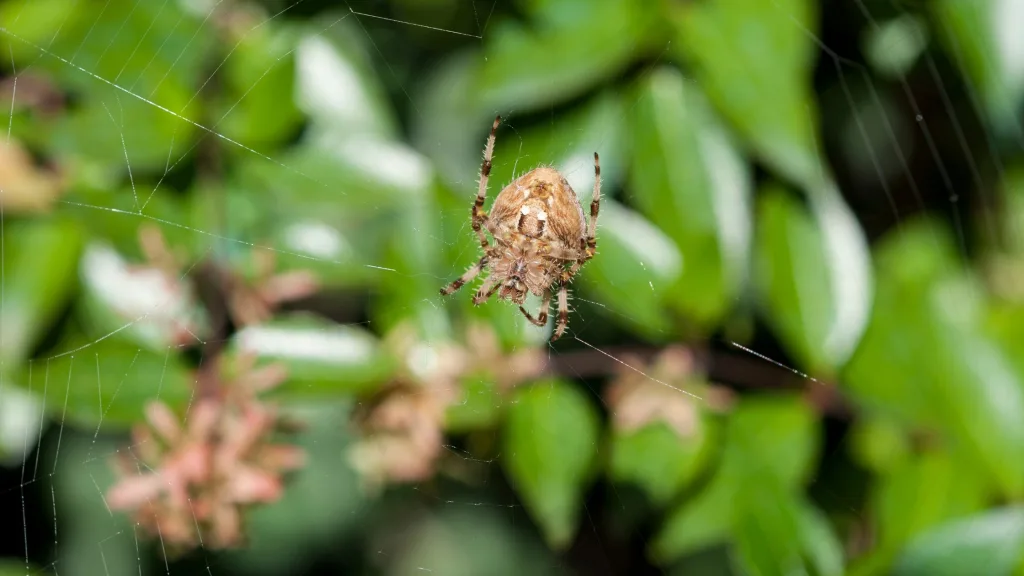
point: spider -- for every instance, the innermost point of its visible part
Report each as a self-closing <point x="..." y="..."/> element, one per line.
<point x="540" y="238"/>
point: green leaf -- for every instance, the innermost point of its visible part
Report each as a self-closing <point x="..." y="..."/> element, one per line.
<point x="257" y="104"/>
<point x="321" y="502"/>
<point x="452" y="128"/>
<point x="774" y="436"/>
<point x="980" y="38"/>
<point x="152" y="57"/>
<point x="821" y="548"/>
<point x="108" y="382"/>
<point x="879" y="443"/>
<point x="567" y="142"/>
<point x="138" y="303"/>
<point x="993" y="540"/>
<point x="893" y="47"/>
<point x="336" y="84"/>
<point x="20" y="421"/>
<point x="698" y="524"/>
<point x="35" y="294"/>
<point x="571" y="46"/>
<point x="929" y="489"/>
<point x="766" y="530"/>
<point x="657" y="460"/>
<point x="322" y="358"/>
<point x="17" y="568"/>
<point x="754" y="59"/>
<point x="438" y="543"/>
<point x="813" y="276"/>
<point x="550" y="443"/>
<point x="693" y="185"/>
<point x="480" y="405"/>
<point x="92" y="539"/>
<point x="104" y="209"/>
<point x="773" y="439"/>
<point x="635" y="267"/>
<point x="926" y="358"/>
<point x="34" y="21"/>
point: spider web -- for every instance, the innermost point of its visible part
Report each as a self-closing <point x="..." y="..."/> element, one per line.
<point x="59" y="487"/>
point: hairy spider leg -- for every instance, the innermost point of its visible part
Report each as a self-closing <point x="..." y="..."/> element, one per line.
<point x="490" y="286"/>
<point x="467" y="277"/>
<point x="478" y="216"/>
<point x="595" y="208"/>
<point x="567" y="276"/>
<point x="563" y="311"/>
<point x="542" y="316"/>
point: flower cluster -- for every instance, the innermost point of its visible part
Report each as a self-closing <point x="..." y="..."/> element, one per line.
<point x="189" y="480"/>
<point x="252" y="302"/>
<point x="403" y="429"/>
<point x="667" y="391"/>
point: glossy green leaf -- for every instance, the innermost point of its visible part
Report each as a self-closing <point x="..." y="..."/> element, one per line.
<point x="773" y="439"/>
<point x="879" y="443"/>
<point x="104" y="209"/>
<point x="813" y="276"/>
<point x="820" y="545"/>
<point x="138" y="303"/>
<point x="754" y="59"/>
<point x="657" y="460"/>
<point x="92" y="539"/>
<point x="705" y="521"/>
<point x="332" y="239"/>
<point x="33" y="295"/>
<point x="774" y="436"/>
<point x="549" y="445"/>
<point x="452" y="128"/>
<point x="635" y="267"/>
<point x="893" y="47"/>
<point x="16" y="568"/>
<point x="136" y="90"/>
<point x="256" y="105"/>
<point x="438" y="543"/>
<point x="929" y="489"/>
<point x="107" y="383"/>
<point x="322" y="357"/>
<point x="30" y="23"/>
<point x="992" y="542"/>
<point x="981" y="39"/>
<point x="569" y="46"/>
<point x="20" y="421"/>
<point x="777" y="533"/>
<point x="336" y="83"/>
<point x="692" y="184"/>
<point x="927" y="359"/>
<point x="568" y="143"/>
<point x="479" y="407"/>
<point x="411" y="272"/>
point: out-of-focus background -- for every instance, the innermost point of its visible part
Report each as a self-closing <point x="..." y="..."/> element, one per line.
<point x="225" y="223"/>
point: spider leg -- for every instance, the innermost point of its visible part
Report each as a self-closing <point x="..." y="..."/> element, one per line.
<point x="542" y="316"/>
<point x="478" y="216"/>
<point x="490" y="286"/>
<point x="595" y="208"/>
<point x="563" y="312"/>
<point x="468" y="276"/>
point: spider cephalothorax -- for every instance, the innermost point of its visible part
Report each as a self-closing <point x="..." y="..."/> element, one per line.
<point x="541" y="238"/>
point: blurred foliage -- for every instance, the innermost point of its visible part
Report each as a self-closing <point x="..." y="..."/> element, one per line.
<point x="822" y="203"/>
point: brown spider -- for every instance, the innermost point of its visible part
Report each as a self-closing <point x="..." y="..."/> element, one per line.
<point x="540" y="238"/>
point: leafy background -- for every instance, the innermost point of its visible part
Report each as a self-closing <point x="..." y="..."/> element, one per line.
<point x="834" y="186"/>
